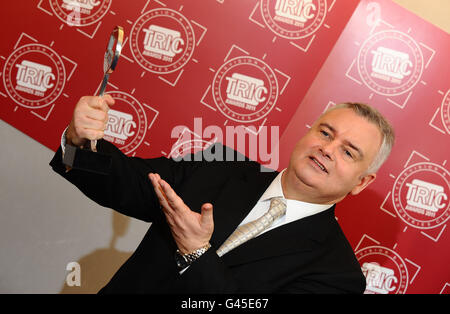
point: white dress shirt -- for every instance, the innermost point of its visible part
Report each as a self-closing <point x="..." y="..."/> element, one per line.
<point x="295" y="210"/>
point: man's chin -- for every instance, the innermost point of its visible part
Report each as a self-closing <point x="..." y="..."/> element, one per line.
<point x="308" y="179"/>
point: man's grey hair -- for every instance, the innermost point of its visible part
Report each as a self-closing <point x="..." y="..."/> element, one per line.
<point x="387" y="131"/>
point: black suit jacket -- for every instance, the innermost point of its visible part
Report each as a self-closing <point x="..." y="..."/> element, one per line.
<point x="310" y="255"/>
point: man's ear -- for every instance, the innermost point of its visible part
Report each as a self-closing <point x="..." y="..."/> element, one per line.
<point x="364" y="182"/>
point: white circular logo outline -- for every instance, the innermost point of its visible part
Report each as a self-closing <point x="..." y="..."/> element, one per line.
<point x="445" y="111"/>
<point x="41" y="49"/>
<point x="63" y="16"/>
<point x="203" y="144"/>
<point x="366" y="76"/>
<point x="220" y="104"/>
<point x="378" y="250"/>
<point x="396" y="201"/>
<point x="142" y="127"/>
<point x="278" y="30"/>
<point x="190" y="46"/>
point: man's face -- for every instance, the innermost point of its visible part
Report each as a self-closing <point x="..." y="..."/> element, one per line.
<point x="330" y="160"/>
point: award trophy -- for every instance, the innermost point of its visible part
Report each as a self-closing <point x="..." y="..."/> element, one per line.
<point x="78" y="158"/>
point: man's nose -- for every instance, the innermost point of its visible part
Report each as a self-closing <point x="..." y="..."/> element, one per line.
<point x="328" y="150"/>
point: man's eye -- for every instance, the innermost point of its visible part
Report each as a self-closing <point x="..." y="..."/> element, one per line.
<point x="325" y="133"/>
<point x="348" y="154"/>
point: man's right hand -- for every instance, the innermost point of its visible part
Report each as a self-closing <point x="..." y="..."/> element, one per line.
<point x="89" y="120"/>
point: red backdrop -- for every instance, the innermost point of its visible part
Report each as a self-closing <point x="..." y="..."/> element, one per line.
<point x="224" y="63"/>
<point x="397" y="62"/>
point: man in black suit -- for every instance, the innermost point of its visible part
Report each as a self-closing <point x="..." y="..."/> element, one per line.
<point x="303" y="251"/>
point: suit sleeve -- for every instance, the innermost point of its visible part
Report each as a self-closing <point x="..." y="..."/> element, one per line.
<point x="208" y="274"/>
<point x="339" y="283"/>
<point x="126" y="188"/>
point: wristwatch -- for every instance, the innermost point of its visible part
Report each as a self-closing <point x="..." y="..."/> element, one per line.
<point x="184" y="260"/>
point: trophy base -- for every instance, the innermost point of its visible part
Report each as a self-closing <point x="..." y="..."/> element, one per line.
<point x="87" y="160"/>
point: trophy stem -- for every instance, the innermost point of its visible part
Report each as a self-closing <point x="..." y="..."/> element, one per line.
<point x="104" y="83"/>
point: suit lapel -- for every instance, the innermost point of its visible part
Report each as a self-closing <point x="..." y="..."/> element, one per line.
<point x="297" y="236"/>
<point x="238" y="197"/>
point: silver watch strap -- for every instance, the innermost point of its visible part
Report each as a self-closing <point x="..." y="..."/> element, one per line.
<point x="192" y="256"/>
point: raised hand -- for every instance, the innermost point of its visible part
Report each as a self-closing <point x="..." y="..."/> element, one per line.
<point x="89" y="120"/>
<point x="190" y="229"/>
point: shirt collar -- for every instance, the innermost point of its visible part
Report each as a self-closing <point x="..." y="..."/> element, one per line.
<point x="295" y="209"/>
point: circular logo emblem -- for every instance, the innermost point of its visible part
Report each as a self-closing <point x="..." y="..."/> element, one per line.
<point x="245" y="89"/>
<point x="80" y="12"/>
<point x="390" y="63"/>
<point x="34" y="76"/>
<point x="127" y="122"/>
<point x="294" y="19"/>
<point x="421" y="195"/>
<point x="445" y="111"/>
<point x="385" y="270"/>
<point x="181" y="149"/>
<point x="162" y="41"/>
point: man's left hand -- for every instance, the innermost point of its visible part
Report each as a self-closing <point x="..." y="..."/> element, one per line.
<point x="190" y="230"/>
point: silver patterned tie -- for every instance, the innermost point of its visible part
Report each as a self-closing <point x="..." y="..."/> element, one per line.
<point x="253" y="228"/>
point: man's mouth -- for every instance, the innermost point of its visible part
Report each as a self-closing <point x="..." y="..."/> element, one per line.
<point x="322" y="167"/>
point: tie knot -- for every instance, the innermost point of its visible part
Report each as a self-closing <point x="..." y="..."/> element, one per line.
<point x="277" y="207"/>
